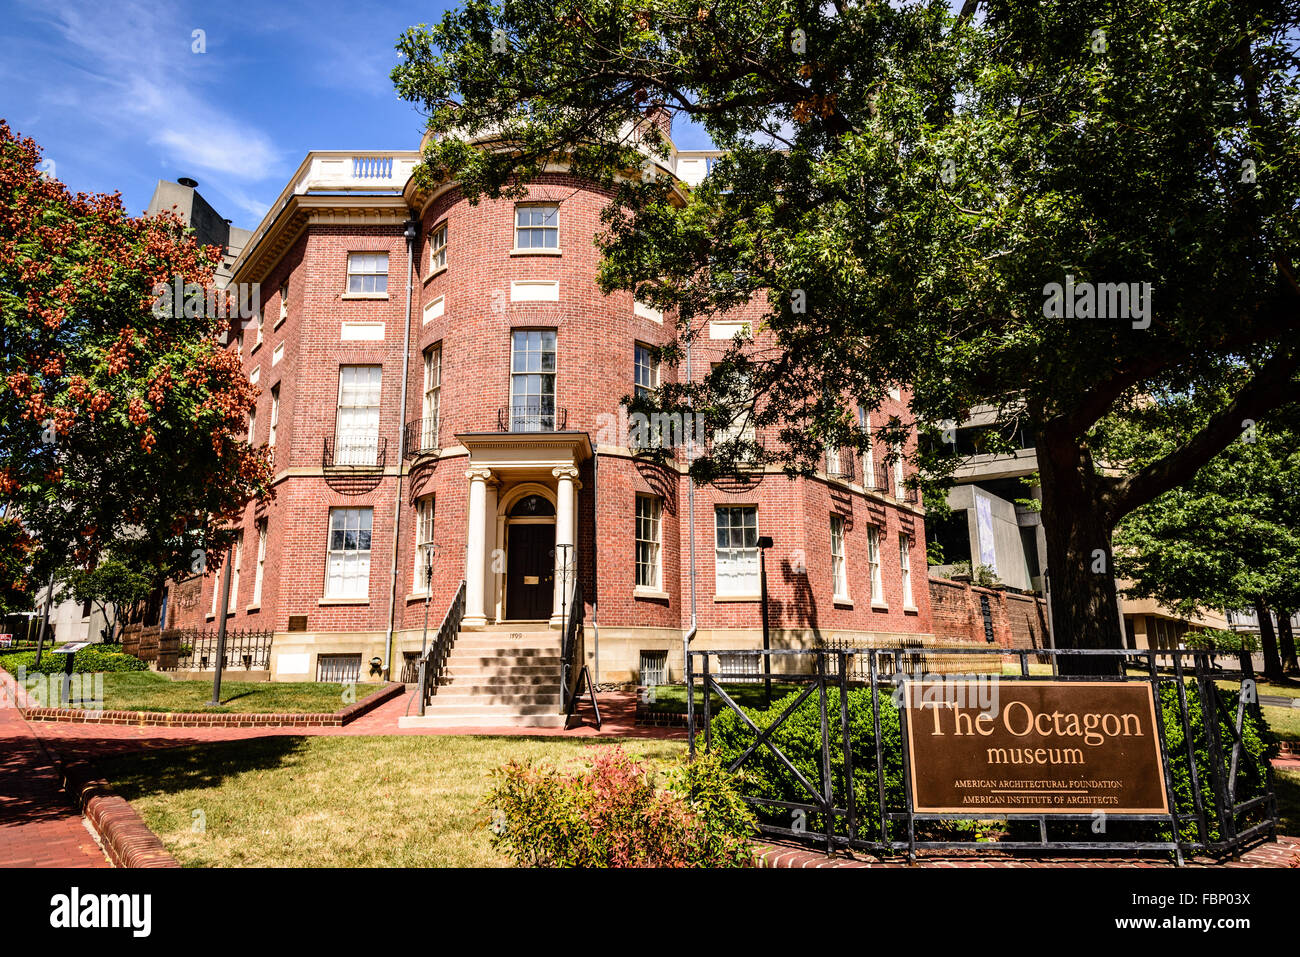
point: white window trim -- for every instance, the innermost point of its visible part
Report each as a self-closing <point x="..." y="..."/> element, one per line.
<point x="347" y="276"/>
<point x="418" y="580"/>
<point x="839" y="563"/>
<point x="905" y="570"/>
<point x="275" y="416"/>
<point x="260" y="574"/>
<point x="233" y="604"/>
<point x="655" y="588"/>
<point x="435" y="267"/>
<point x="873" y="560"/>
<point x="359" y="598"/>
<point x="719" y="593"/>
<point x="517" y="250"/>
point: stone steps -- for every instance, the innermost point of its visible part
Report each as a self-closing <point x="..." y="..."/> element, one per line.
<point x="494" y="680"/>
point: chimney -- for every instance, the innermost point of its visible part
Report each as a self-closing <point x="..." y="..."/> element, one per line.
<point x="659" y="115"/>
<point x="186" y="181"/>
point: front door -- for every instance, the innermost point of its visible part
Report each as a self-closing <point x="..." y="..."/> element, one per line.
<point x="530" y="571"/>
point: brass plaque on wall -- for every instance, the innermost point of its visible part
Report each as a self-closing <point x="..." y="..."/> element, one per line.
<point x="1032" y="747"/>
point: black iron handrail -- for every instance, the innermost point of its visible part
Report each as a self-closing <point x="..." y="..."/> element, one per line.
<point x="420" y="437"/>
<point x="573" y="651"/>
<point x="527" y="417"/>
<point x="434" y="659"/>
<point x="368" y="453"/>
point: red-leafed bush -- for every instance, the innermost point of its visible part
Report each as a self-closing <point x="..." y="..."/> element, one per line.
<point x="612" y="815"/>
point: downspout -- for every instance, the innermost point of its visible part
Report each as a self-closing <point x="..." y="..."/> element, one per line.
<point x="595" y="592"/>
<point x="411" y="232"/>
<point x="690" y="522"/>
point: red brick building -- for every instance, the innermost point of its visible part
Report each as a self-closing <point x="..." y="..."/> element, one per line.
<point x="509" y="446"/>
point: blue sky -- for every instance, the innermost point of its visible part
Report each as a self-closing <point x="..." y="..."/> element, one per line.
<point x="117" y="98"/>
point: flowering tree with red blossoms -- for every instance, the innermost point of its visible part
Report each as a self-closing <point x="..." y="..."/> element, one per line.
<point x="120" y="428"/>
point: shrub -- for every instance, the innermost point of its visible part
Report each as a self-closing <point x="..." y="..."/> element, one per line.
<point x="88" y="660"/>
<point x="612" y="815"/>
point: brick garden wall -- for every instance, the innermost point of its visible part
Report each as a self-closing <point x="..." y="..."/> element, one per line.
<point x="1018" y="621"/>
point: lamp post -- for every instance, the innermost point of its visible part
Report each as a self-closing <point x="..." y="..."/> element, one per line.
<point x="764" y="543"/>
<point x="428" y="550"/>
<point x="223" y="611"/>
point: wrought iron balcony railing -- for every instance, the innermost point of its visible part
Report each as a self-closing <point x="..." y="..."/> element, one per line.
<point x="839" y="464"/>
<point x="355" y="452"/>
<point x="420" y="438"/>
<point x="531" y="417"/>
<point x="878" y="479"/>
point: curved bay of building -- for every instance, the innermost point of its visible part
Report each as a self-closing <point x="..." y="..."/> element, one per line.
<point x="513" y="454"/>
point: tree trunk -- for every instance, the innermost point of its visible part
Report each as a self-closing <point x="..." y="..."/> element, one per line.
<point x="1077" y="523"/>
<point x="1286" y="641"/>
<point x="1268" y="643"/>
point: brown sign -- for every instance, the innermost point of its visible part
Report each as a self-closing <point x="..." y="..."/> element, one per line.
<point x="1029" y="747"/>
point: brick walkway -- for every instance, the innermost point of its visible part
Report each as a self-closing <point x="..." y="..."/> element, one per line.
<point x="1284" y="853"/>
<point x="39" y="827"/>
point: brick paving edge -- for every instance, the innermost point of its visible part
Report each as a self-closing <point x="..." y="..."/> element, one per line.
<point x="196" y="719"/>
<point x="122" y="833"/>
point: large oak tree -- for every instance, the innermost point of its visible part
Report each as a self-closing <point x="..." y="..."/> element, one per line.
<point x="903" y="184"/>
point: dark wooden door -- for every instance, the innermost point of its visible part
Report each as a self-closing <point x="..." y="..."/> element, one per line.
<point x="530" y="572"/>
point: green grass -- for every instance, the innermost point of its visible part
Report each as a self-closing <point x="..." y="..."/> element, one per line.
<point x="1285" y="689"/>
<point x="1286" y="783"/>
<point x="1285" y="722"/>
<point x="672" y="698"/>
<point x="150" y="691"/>
<point x="337" y="801"/>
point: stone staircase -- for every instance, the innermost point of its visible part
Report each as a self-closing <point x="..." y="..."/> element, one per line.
<point x="507" y="676"/>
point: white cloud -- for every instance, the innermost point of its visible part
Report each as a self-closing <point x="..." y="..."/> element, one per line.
<point x="129" y="67"/>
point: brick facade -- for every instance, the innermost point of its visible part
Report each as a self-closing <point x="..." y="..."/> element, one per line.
<point x="958" y="613"/>
<point x="595" y="339"/>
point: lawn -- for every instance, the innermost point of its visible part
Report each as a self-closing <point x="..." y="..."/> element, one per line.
<point x="336" y="801"/>
<point x="1286" y="782"/>
<point x="1285" y="722"/>
<point x="672" y="698"/>
<point x="150" y="691"/>
<point x="1285" y="689"/>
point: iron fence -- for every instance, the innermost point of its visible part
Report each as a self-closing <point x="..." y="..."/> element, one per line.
<point x="193" y="650"/>
<point x="846" y="816"/>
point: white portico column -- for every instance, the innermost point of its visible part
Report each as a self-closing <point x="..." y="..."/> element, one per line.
<point x="566" y="529"/>
<point x="475" y="548"/>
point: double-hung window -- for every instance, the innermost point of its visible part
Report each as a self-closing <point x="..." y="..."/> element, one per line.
<point x="368" y="274"/>
<point x="347" y="570"/>
<point x="275" y="416"/>
<point x="432" y="397"/>
<point x="649" y="512"/>
<point x="357" y="422"/>
<point x="873" y="561"/>
<point x="423" y="543"/>
<point x="839" y="569"/>
<point x="537" y="226"/>
<point x="532" y="380"/>
<point x="261" y="562"/>
<point x="905" y="567"/>
<point x="438" y="249"/>
<point x="234" y="575"/>
<point x="736" y="550"/>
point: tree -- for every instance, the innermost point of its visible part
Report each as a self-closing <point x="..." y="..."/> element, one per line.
<point x="110" y="584"/>
<point x="121" y="422"/>
<point x="16" y="593"/>
<point x="1229" y="538"/>
<point x="946" y="200"/>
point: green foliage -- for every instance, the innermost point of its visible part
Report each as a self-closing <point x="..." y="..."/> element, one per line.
<point x="1221" y="640"/>
<point x="121" y="424"/>
<point x="799" y="739"/>
<point x="1259" y="745"/>
<point x="612" y="815"/>
<point x="901" y="186"/>
<point x="88" y="660"/>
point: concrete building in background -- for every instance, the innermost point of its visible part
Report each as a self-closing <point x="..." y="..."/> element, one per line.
<point x="993" y="525"/>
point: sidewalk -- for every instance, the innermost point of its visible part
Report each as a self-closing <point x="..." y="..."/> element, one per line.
<point x="39" y="827"/>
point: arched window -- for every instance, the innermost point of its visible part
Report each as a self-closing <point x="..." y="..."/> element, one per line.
<point x="532" y="506"/>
